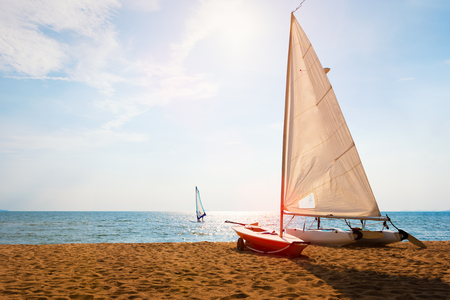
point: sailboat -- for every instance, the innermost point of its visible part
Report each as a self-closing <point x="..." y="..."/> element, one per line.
<point x="322" y="174"/>
<point x="199" y="206"/>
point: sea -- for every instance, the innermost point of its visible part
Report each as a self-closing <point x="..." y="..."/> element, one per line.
<point x="57" y="227"/>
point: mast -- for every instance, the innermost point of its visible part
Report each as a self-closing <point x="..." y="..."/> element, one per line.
<point x="283" y="163"/>
<point x="196" y="203"/>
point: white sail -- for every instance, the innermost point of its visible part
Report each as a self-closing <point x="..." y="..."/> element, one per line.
<point x="322" y="172"/>
<point x="199" y="207"/>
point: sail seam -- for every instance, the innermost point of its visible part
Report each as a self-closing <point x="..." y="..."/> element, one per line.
<point x="316" y="60"/>
<point x="306" y="72"/>
<point x="321" y="143"/>
<point x="323" y="97"/>
<point x="302" y="113"/>
<point x="299" y="42"/>
<point x="307" y="50"/>
<point x="334" y="178"/>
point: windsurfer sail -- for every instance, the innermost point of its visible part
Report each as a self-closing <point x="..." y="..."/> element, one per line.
<point x="199" y="206"/>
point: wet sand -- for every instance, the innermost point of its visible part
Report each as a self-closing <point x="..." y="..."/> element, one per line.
<point x="219" y="271"/>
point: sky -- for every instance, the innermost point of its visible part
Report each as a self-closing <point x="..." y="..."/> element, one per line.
<point x="115" y="105"/>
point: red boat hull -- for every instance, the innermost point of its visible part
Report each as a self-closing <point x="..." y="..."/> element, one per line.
<point x="261" y="240"/>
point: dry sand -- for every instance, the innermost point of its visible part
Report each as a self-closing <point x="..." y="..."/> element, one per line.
<point x="219" y="271"/>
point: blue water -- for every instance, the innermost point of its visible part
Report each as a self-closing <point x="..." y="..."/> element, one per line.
<point x="152" y="227"/>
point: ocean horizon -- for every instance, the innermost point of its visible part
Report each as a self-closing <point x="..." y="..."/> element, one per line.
<point x="64" y="227"/>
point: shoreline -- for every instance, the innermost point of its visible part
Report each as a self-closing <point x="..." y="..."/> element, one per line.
<point x="217" y="270"/>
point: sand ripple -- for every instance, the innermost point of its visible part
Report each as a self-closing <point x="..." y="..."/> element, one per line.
<point x="219" y="271"/>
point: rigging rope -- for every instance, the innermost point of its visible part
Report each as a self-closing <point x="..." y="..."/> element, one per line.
<point x="299" y="6"/>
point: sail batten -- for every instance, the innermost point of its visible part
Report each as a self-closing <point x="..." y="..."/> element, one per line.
<point x="320" y="159"/>
<point x="324" y="95"/>
<point x="351" y="146"/>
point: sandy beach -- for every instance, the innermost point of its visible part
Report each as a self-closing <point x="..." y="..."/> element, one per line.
<point x="208" y="270"/>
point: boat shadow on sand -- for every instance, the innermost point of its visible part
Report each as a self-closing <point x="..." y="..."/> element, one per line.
<point x="354" y="284"/>
<point x="390" y="275"/>
<point x="377" y="272"/>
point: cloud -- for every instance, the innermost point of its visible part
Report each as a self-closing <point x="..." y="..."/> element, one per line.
<point x="77" y="41"/>
<point x="67" y="140"/>
<point x="447" y="61"/>
<point x="164" y="82"/>
<point x="171" y="80"/>
<point x="208" y="18"/>
<point x="124" y="111"/>
<point x="39" y="37"/>
<point x="39" y="78"/>
<point x="141" y="5"/>
<point x="28" y="52"/>
<point x="78" y="38"/>
<point x="405" y="79"/>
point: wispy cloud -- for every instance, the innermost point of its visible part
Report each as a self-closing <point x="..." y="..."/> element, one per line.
<point x="167" y="81"/>
<point x="141" y="5"/>
<point x="405" y="79"/>
<point x="67" y="140"/>
<point x="123" y="111"/>
<point x="39" y="78"/>
<point x="447" y="61"/>
<point x="26" y="28"/>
